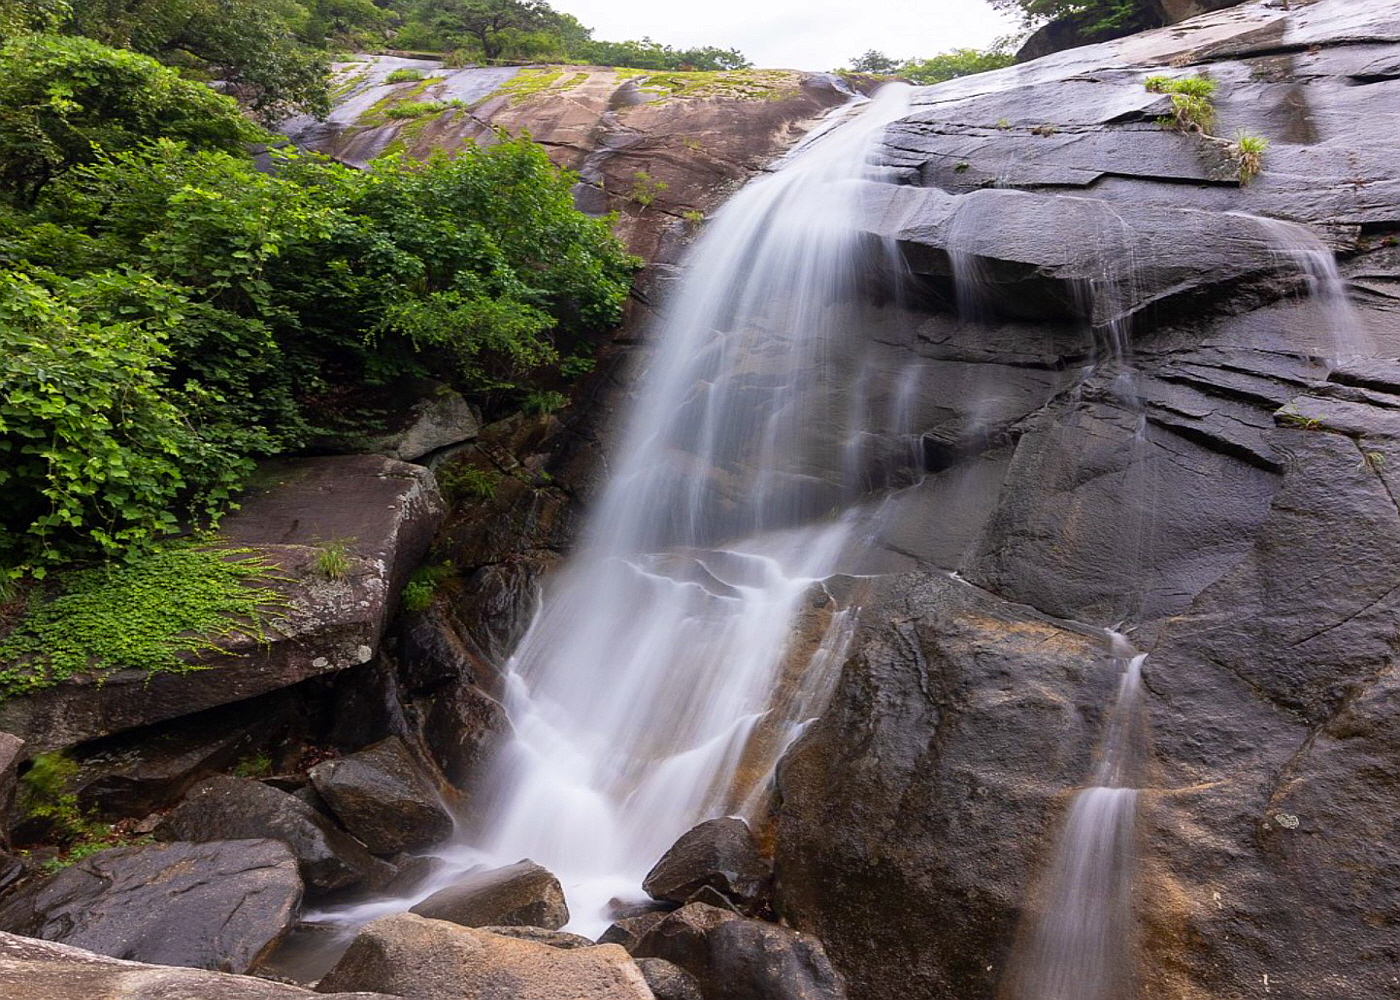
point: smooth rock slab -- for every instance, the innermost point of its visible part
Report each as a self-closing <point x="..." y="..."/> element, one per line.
<point x="420" y="959"/>
<point x="720" y="854"/>
<point x="518" y="895"/>
<point x="227" y="808"/>
<point x="384" y="798"/>
<point x="221" y="906"/>
<point x="41" y="970"/>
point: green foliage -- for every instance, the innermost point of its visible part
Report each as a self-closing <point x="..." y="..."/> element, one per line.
<point x="544" y="403"/>
<point x="1092" y="19"/>
<point x="693" y="216"/>
<point x="253" y="46"/>
<point x="404" y="76"/>
<point x="1248" y="152"/>
<point x="63" y="101"/>
<point x="465" y="482"/>
<point x="333" y="559"/>
<point x="648" y="54"/>
<point x="258" y="765"/>
<point x="488" y="23"/>
<point x="148" y="613"/>
<point x="415" y="109"/>
<point x="46" y="794"/>
<point x="423" y="584"/>
<point x="18" y="17"/>
<point x="646" y="188"/>
<point x="874" y="61"/>
<point x="1192" y="110"/>
<point x="958" y="62"/>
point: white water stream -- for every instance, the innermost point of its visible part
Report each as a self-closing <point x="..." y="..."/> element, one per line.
<point x="653" y="689"/>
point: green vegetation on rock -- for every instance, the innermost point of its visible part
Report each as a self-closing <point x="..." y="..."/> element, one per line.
<point x="151" y="613"/>
<point x="926" y="72"/>
<point x="1092" y="19"/>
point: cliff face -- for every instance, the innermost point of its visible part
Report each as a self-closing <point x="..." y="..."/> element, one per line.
<point x="1223" y="494"/>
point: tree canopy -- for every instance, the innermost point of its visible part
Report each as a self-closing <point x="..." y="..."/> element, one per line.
<point x="945" y="66"/>
<point x="1090" y="17"/>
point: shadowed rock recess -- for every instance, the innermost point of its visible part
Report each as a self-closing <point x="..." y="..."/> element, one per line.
<point x="1232" y="506"/>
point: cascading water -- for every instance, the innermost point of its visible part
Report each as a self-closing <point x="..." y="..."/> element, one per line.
<point x="651" y="691"/>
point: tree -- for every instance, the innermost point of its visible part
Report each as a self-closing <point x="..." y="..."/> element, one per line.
<point x="958" y="62"/>
<point x="64" y="101"/>
<point x="250" y="46"/>
<point x="487" y="21"/>
<point x="1091" y="18"/>
<point x="874" y="61"/>
<point x="18" y="17"/>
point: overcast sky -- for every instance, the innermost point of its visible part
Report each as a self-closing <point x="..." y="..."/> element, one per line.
<point x="798" y="34"/>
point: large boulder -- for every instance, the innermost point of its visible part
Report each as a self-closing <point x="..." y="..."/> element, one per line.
<point x="10" y="748"/>
<point x="227" y="808"/>
<point x="737" y="959"/>
<point x="669" y="981"/>
<point x="518" y="895"/>
<point x="382" y="796"/>
<point x="420" y="959"/>
<point x="720" y="854"/>
<point x="41" y="970"/>
<point x="383" y="511"/>
<point x="221" y="906"/>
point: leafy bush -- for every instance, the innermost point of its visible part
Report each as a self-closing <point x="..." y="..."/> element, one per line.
<point x="1192" y="110"/>
<point x="958" y="62"/>
<point x="1248" y="152"/>
<point x="1091" y="18"/>
<point x="64" y="100"/>
<point x="404" y="75"/>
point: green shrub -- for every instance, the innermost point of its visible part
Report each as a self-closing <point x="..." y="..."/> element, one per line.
<point x="149" y="613"/>
<point x="460" y="481"/>
<point x="1192" y="110"/>
<point x="423" y="584"/>
<point x="953" y="64"/>
<point x="646" y="188"/>
<point x="544" y="403"/>
<point x="414" y="109"/>
<point x="404" y="75"/>
<point x="258" y="765"/>
<point x="46" y="794"/>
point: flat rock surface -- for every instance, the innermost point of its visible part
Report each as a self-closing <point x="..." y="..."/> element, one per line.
<point x="420" y="959"/>
<point x="221" y="906"/>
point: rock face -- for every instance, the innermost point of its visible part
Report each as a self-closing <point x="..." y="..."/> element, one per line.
<point x="383" y="797"/>
<point x="736" y="959"/>
<point x="226" y="808"/>
<point x="10" y="747"/>
<point x="1222" y="493"/>
<point x="420" y="959"/>
<point x="721" y="855"/>
<point x="220" y="906"/>
<point x="518" y="895"/>
<point x="383" y="511"/>
<point x="40" y="969"/>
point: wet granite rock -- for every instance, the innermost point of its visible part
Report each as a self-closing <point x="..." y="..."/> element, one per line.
<point x="668" y="981"/>
<point x="227" y="808"/>
<point x="629" y="931"/>
<point x="31" y="969"/>
<point x="720" y="855"/>
<point x="732" y="958"/>
<point x="518" y="895"/>
<point x="383" y="796"/>
<point x="10" y="749"/>
<point x="222" y="905"/>
<point x="420" y="959"/>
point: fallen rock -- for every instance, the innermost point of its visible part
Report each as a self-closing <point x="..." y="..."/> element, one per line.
<point x="10" y="747"/>
<point x="438" y="418"/>
<point x="226" y="808"/>
<point x="518" y="895"/>
<point x="384" y="798"/>
<point x="668" y="981"/>
<point x="221" y="906"/>
<point x="737" y="959"/>
<point x="720" y="854"/>
<point x="419" y="959"/>
<point x="31" y="969"/>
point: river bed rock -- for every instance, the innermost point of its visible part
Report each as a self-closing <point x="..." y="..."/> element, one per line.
<point x="382" y="796"/>
<point x="420" y="959"/>
<point x="221" y="906"/>
<point x="521" y="895"/>
<point x="720" y="855"/>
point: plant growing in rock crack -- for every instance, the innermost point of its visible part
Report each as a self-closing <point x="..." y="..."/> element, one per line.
<point x="258" y="765"/>
<point x="333" y="559"/>
<point x="423" y="584"/>
<point x="404" y="75"/>
<point x="467" y="482"/>
<point x="544" y="403"/>
<point x="693" y="217"/>
<point x="1292" y="418"/>
<point x="646" y="188"/>
<point x="1248" y="152"/>
<point x="1372" y="460"/>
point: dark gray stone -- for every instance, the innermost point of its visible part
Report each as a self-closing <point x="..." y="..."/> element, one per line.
<point x="227" y="808"/>
<point x="518" y="895"/>
<point x="721" y="855"/>
<point x="10" y="750"/>
<point x="383" y="796"/>
<point x="221" y="906"/>
<point x="668" y="981"/>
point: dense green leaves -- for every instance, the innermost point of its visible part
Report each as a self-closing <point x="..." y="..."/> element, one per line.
<point x="945" y="66"/>
<point x="64" y="99"/>
<point x="172" y="313"/>
<point x="1092" y="18"/>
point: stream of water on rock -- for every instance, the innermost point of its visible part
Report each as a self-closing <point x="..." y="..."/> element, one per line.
<point x="653" y="689"/>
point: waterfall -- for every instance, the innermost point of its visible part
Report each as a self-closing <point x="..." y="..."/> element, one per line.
<point x="652" y="691"/>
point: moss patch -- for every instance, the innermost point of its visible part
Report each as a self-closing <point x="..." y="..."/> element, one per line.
<point x="150" y="613"/>
<point x="736" y="84"/>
